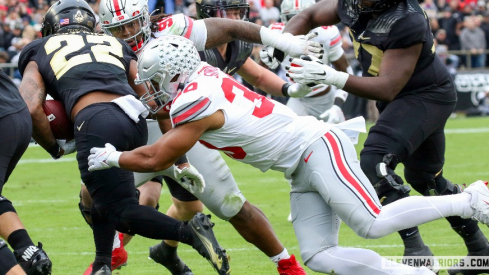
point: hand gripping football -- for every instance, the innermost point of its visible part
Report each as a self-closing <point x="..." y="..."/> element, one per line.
<point x="61" y="124"/>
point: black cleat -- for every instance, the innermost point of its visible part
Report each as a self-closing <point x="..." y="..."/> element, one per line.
<point x="423" y="251"/>
<point x="105" y="270"/>
<point x="456" y="270"/>
<point x="34" y="260"/>
<point x="206" y="244"/>
<point x="167" y="257"/>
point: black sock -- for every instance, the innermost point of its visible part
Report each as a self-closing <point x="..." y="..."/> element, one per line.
<point x="19" y="239"/>
<point x="411" y="237"/>
<point x="184" y="233"/>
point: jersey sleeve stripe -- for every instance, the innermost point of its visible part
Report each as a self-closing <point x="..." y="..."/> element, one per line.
<point x="346" y="175"/>
<point x="190" y="111"/>
<point x="190" y="26"/>
<point x="335" y="41"/>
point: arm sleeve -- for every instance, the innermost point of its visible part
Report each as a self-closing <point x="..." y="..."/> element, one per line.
<point x="335" y="45"/>
<point x="182" y="25"/>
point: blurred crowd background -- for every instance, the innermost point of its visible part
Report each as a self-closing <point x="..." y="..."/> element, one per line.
<point x="460" y="28"/>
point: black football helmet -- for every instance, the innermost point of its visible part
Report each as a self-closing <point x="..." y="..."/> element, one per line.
<point x="67" y="15"/>
<point x="377" y="7"/>
<point x="217" y="8"/>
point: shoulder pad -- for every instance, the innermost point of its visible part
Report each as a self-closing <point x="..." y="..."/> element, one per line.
<point x="178" y="24"/>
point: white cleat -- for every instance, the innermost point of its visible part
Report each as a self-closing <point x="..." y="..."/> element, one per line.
<point x="479" y="201"/>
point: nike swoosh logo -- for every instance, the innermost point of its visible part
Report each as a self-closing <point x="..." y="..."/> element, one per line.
<point x="361" y="37"/>
<point x="409" y="234"/>
<point x="307" y="159"/>
<point x="79" y="127"/>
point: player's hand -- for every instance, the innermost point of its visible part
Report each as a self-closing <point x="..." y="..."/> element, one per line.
<point x="309" y="70"/>
<point x="67" y="147"/>
<point x="100" y="158"/>
<point x="333" y="115"/>
<point x="189" y="178"/>
<point x="303" y="45"/>
<point x="298" y="90"/>
<point x="267" y="57"/>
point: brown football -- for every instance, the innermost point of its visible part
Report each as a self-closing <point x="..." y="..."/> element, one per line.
<point x="61" y="124"/>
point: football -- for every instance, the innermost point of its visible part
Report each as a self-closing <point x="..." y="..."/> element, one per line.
<point x="61" y="124"/>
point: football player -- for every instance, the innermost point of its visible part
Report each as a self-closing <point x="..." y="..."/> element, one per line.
<point x="415" y="96"/>
<point x="212" y="108"/>
<point x="16" y="126"/>
<point x="129" y="20"/>
<point x="93" y="75"/>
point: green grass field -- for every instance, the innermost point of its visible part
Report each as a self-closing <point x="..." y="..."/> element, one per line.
<point x="45" y="194"/>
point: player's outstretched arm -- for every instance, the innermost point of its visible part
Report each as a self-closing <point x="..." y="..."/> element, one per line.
<point x="322" y="13"/>
<point x="159" y="155"/>
<point x="221" y="31"/>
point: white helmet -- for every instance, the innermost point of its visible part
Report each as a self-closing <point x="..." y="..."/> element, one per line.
<point x="289" y="8"/>
<point x="119" y="16"/>
<point x="165" y="65"/>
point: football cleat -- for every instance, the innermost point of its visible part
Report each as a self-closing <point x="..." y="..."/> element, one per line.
<point x="456" y="270"/>
<point x="423" y="251"/>
<point x="34" y="260"/>
<point x="479" y="201"/>
<point x="290" y="266"/>
<point x="103" y="271"/>
<point x="119" y="257"/>
<point x="206" y="243"/>
<point x="161" y="254"/>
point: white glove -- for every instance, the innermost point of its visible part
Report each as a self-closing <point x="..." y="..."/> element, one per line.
<point x="190" y="179"/>
<point x="68" y="147"/>
<point x="333" y="115"/>
<point x="298" y="90"/>
<point x="266" y="56"/>
<point x="103" y="158"/>
<point x="294" y="46"/>
<point x="309" y="69"/>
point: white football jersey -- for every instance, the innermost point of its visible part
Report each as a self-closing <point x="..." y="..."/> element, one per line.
<point x="329" y="37"/>
<point x="182" y="25"/>
<point x="257" y="130"/>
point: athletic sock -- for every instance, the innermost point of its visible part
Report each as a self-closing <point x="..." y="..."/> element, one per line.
<point x="283" y="255"/>
<point x="19" y="239"/>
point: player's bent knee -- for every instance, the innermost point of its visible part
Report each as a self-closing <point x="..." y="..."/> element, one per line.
<point x="431" y="185"/>
<point x="6" y="205"/>
<point x="380" y="171"/>
<point x="322" y="261"/>
<point x="231" y="206"/>
<point x="188" y="208"/>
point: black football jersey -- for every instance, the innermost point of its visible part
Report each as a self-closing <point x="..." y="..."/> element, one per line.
<point x="236" y="55"/>
<point x="75" y="64"/>
<point x="401" y="26"/>
<point x="10" y="99"/>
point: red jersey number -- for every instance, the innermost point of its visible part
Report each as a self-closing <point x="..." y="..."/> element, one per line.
<point x="263" y="106"/>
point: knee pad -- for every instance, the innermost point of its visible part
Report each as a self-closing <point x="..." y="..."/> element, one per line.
<point x="387" y="184"/>
<point x="231" y="206"/>
<point x="6" y="205"/>
<point x="86" y="213"/>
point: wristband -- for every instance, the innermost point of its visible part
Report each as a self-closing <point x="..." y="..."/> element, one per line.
<point x="338" y="102"/>
<point x="54" y="151"/>
<point x="113" y="158"/>
<point x="181" y="160"/>
<point x="285" y="89"/>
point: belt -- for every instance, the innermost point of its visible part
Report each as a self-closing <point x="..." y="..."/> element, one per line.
<point x="323" y="92"/>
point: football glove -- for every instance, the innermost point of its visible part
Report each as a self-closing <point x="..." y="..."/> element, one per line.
<point x="190" y="179"/>
<point x="268" y="56"/>
<point x="68" y="147"/>
<point x="310" y="70"/>
<point x="294" y="46"/>
<point x="333" y="115"/>
<point x="103" y="158"/>
<point x="298" y="90"/>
